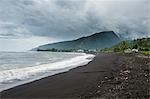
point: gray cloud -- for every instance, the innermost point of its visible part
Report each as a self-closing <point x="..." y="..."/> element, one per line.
<point x="69" y="19"/>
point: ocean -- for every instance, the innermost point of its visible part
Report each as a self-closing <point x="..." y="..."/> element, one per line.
<point x="18" y="68"/>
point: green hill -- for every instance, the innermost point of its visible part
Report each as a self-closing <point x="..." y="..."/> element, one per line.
<point x="92" y="42"/>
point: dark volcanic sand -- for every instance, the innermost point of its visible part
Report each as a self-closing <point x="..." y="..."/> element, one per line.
<point x="109" y="75"/>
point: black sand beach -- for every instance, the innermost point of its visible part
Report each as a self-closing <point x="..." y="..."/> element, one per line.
<point x="109" y="75"/>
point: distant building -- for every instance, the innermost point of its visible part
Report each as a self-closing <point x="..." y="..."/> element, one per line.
<point x="92" y="50"/>
<point x="128" y="51"/>
<point x="80" y="50"/>
<point x="135" y="50"/>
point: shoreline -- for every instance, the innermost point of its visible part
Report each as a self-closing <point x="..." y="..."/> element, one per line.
<point x="84" y="81"/>
<point x="75" y="62"/>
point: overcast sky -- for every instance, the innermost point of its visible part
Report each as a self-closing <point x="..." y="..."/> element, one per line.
<point x="25" y="24"/>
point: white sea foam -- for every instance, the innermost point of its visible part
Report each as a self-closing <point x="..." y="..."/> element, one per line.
<point x="18" y="76"/>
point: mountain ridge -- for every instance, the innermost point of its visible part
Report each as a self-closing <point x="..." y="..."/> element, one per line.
<point x="97" y="40"/>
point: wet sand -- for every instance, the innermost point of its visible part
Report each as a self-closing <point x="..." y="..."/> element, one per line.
<point x="109" y="75"/>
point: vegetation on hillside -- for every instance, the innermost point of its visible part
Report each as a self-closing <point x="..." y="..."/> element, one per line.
<point x="92" y="42"/>
<point x="140" y="45"/>
<point x="128" y="46"/>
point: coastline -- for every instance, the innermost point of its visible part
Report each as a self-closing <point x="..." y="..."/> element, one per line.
<point x="50" y="69"/>
<point x="90" y="81"/>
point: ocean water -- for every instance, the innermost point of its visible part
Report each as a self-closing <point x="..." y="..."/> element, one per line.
<point x="18" y="68"/>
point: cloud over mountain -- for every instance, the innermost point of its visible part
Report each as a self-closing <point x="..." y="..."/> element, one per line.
<point x="73" y="18"/>
<point x="69" y="19"/>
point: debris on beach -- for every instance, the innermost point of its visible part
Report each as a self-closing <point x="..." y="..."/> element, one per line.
<point x="131" y="81"/>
